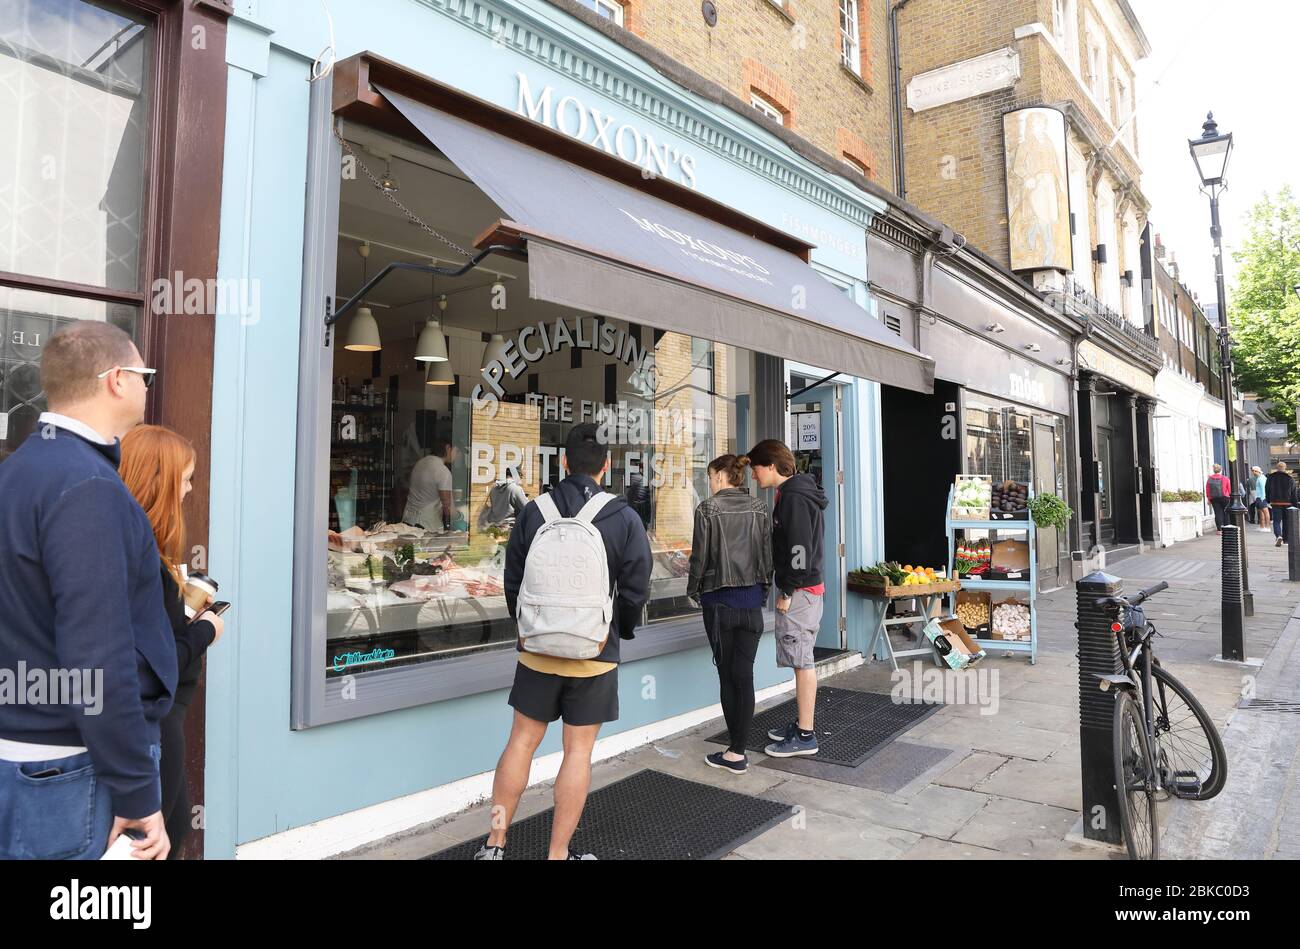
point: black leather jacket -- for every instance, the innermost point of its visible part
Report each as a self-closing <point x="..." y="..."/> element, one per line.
<point x="732" y="546"/>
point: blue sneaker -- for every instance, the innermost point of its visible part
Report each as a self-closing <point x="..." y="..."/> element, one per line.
<point x="781" y="734"/>
<point x="794" y="745"/>
<point x="716" y="760"/>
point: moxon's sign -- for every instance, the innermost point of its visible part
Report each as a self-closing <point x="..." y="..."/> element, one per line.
<point x="571" y="116"/>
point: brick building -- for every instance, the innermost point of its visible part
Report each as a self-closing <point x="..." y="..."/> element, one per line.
<point x="819" y="69"/>
<point x="964" y="66"/>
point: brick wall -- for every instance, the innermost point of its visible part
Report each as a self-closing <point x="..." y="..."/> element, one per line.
<point x="791" y="57"/>
<point x="956" y="168"/>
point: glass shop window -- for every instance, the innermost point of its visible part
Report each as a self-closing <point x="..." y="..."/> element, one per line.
<point x="431" y="462"/>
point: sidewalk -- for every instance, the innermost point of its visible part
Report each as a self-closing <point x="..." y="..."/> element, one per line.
<point x="1006" y="785"/>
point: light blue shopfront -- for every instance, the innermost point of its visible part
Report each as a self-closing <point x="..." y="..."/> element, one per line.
<point x="262" y="777"/>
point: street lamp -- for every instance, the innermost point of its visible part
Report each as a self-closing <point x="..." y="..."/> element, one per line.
<point x="1211" y="152"/>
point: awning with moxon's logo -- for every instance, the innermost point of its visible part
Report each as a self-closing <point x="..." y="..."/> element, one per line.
<point x="603" y="246"/>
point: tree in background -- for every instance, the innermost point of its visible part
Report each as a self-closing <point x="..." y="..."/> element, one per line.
<point x="1265" y="309"/>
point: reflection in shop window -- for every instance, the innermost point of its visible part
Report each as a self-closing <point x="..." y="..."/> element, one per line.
<point x="74" y="105"/>
<point x="406" y="589"/>
<point x="27" y="320"/>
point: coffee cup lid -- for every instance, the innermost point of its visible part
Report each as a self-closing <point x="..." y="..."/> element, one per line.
<point x="199" y="577"/>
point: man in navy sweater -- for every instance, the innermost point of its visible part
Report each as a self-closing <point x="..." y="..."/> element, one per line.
<point x="87" y="656"/>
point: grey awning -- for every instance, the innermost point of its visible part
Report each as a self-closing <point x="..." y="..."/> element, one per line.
<point x="600" y="245"/>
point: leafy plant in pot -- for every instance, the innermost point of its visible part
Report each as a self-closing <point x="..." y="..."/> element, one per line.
<point x="1048" y="510"/>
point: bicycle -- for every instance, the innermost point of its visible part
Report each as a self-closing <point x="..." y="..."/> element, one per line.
<point x="1165" y="743"/>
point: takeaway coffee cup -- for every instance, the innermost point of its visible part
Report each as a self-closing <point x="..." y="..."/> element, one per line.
<point x="200" y="590"/>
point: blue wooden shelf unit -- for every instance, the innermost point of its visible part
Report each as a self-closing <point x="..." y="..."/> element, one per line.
<point x="1028" y="587"/>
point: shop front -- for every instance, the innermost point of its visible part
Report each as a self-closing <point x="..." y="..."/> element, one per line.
<point x="1002" y="401"/>
<point x="529" y="232"/>
<point x="1119" y="483"/>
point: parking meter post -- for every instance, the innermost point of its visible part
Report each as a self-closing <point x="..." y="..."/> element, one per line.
<point x="1098" y="655"/>
<point x="1234" y="644"/>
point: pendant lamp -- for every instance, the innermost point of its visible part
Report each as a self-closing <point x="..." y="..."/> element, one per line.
<point x="432" y="345"/>
<point x="363" y="331"/>
<point x="496" y="345"/>
<point x="439" y="374"/>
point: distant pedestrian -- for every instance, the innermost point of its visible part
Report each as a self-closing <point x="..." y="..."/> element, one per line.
<point x="157" y="465"/>
<point x="730" y="572"/>
<point x="1280" y="492"/>
<point x="80" y="596"/>
<point x="798" y="531"/>
<point x="1218" y="491"/>
<point x="1261" y="502"/>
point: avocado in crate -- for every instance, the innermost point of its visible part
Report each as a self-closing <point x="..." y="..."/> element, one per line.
<point x="1009" y="501"/>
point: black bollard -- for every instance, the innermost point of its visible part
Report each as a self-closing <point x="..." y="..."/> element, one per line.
<point x="1234" y="645"/>
<point x="1098" y="655"/>
<point x="1247" y="598"/>
<point x="1291" y="530"/>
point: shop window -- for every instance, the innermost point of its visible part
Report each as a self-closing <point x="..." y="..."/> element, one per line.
<point x="999" y="439"/>
<point x="426" y="480"/>
<point x="76" y="82"/>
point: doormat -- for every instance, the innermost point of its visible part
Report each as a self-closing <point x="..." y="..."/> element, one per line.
<point x="896" y="765"/>
<point x="851" y="725"/>
<point x="645" y="816"/>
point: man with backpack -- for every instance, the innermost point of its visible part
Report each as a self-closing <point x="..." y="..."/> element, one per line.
<point x="577" y="575"/>
<point x="1218" y="491"/>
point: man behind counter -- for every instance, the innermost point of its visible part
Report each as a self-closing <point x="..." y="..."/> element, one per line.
<point x="429" y="503"/>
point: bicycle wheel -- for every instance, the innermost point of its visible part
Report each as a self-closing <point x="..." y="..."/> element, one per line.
<point x="1187" y="743"/>
<point x="1134" y="787"/>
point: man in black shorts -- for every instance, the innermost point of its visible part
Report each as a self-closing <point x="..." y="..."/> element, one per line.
<point x="583" y="692"/>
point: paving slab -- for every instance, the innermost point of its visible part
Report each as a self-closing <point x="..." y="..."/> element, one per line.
<point x="813" y="834"/>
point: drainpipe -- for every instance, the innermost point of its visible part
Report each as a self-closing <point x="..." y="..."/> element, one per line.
<point x="900" y="177"/>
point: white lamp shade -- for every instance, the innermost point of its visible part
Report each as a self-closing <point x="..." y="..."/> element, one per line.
<point x="432" y="345"/>
<point x="439" y="374"/>
<point x="494" y="351"/>
<point x="363" y="333"/>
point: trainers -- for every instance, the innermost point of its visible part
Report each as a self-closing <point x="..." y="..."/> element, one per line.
<point x="781" y="734"/>
<point x="1279" y="542"/>
<point x="796" y="744"/>
<point x="716" y="760"/>
<point x="490" y="853"/>
<point x="581" y="856"/>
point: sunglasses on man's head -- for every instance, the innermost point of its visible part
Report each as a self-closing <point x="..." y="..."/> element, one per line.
<point x="147" y="375"/>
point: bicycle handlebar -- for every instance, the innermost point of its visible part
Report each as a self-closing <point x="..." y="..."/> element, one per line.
<point x="1142" y="596"/>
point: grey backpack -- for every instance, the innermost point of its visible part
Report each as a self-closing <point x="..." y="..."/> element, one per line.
<point x="565" y="603"/>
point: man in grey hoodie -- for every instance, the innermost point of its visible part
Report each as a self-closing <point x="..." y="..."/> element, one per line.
<point x="798" y="532"/>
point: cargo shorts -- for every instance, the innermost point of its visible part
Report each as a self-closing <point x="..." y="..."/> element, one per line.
<point x="796" y="631"/>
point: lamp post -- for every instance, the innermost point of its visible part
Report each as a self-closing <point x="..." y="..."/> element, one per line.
<point x="1211" y="152"/>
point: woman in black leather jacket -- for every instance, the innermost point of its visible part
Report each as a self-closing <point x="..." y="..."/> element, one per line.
<point x="730" y="572"/>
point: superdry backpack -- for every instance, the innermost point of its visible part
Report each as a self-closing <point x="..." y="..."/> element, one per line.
<point x="1216" y="488"/>
<point x="565" y="604"/>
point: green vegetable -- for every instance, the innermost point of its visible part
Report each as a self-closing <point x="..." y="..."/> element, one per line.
<point x="1048" y="510"/>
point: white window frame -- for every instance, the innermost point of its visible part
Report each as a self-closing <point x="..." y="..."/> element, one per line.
<point x="850" y="46"/>
<point x="609" y="9"/>
<point x="771" y="111"/>
<point x="856" y="165"/>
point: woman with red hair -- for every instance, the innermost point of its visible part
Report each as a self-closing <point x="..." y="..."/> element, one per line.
<point x="157" y="465"/>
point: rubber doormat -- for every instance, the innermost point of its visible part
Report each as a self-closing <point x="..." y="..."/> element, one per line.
<point x="646" y="816"/>
<point x="851" y="726"/>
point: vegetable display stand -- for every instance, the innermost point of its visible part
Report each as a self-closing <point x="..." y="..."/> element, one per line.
<point x="1023" y="583"/>
<point x="929" y="597"/>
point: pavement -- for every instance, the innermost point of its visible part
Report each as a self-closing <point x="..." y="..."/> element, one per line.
<point x="994" y="774"/>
